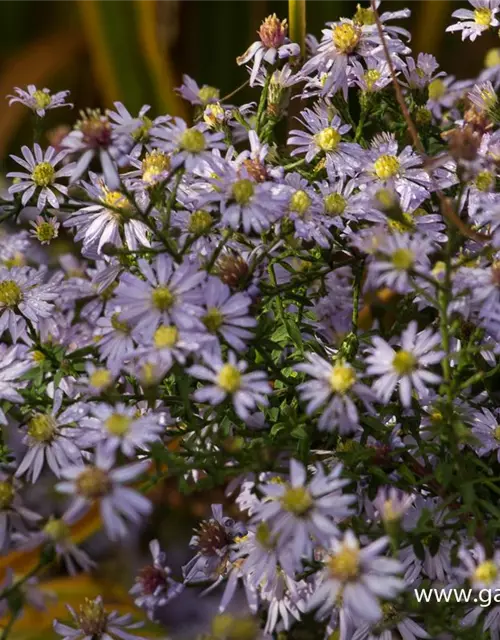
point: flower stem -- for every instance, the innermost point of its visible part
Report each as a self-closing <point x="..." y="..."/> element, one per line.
<point x="297" y="21"/>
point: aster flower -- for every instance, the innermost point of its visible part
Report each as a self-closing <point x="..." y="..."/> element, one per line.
<point x="334" y="386"/>
<point x="486" y="428"/>
<point x="93" y="621"/>
<point x="44" y="230"/>
<point x="92" y="137"/>
<point x="392" y="504"/>
<point x="153" y="586"/>
<point x="136" y="130"/>
<point x="244" y="203"/>
<point x="193" y="93"/>
<point x="42" y="176"/>
<point x="421" y="73"/>
<point x="358" y="575"/>
<point x="273" y="44"/>
<point x="481" y="571"/>
<point x="22" y="293"/>
<point x="50" y="439"/>
<point x="114" y="342"/>
<point x="168" y="295"/>
<point x="99" y="483"/>
<point x="407" y="367"/>
<point x="56" y="533"/>
<point x="112" y="222"/>
<point x="392" y="620"/>
<point x="227" y="315"/>
<point x="14" y="363"/>
<point x="399" y="171"/>
<point x="188" y="146"/>
<point x="473" y="23"/>
<point x="212" y="542"/>
<point x="401" y="256"/>
<point x="14" y="516"/>
<point x="324" y="134"/>
<point x="39" y="100"/>
<point x="119" y="428"/>
<point x="372" y="77"/>
<point x="304" y="512"/>
<point x="228" y="379"/>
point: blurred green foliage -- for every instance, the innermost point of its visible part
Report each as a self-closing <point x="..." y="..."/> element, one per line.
<point x="137" y="50"/>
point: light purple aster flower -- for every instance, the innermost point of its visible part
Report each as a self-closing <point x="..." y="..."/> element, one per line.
<point x="119" y="428"/>
<point x="372" y="77"/>
<point x="42" y="176"/>
<point x="193" y="93"/>
<point x="92" y="621"/>
<point x="39" y="100"/>
<point x="169" y="295"/>
<point x="324" y="135"/>
<point x="92" y="137"/>
<point x="482" y="571"/>
<point x="227" y="315"/>
<point x="14" y="516"/>
<point x="273" y="44"/>
<point x="99" y="482"/>
<point x="114" y="221"/>
<point x="407" y="367"/>
<point x="358" y="575"/>
<point x="24" y="294"/>
<point x="13" y="365"/>
<point x="473" y="23"/>
<point x="335" y="387"/>
<point x="486" y="428"/>
<point x="385" y="166"/>
<point x="51" y="440"/>
<point x="189" y="146"/>
<point x="392" y="620"/>
<point x="228" y="379"/>
<point x="420" y="73"/>
<point x="114" y="342"/>
<point x="401" y="256"/>
<point x="153" y="586"/>
<point x="302" y="512"/>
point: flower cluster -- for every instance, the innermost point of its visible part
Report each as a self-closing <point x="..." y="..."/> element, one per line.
<point x="307" y="319"/>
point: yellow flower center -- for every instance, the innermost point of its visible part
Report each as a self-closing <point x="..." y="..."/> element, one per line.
<point x="212" y="114"/>
<point x="404" y="362"/>
<point x="243" y="191"/>
<point x="213" y="320"/>
<point x="346" y="37"/>
<point x="371" y="77"/>
<point x="6" y="495"/>
<point x="229" y="378"/>
<point x="437" y="89"/>
<point x="403" y="259"/>
<point x="200" y="222"/>
<point x="482" y="16"/>
<point x="163" y="298"/>
<point x="327" y="139"/>
<point x="92" y="618"/>
<point x="154" y="165"/>
<point x="386" y="167"/>
<point x="93" y="483"/>
<point x="364" y="16"/>
<point x="38" y="356"/>
<point x="208" y="94"/>
<point x="484" y="180"/>
<point x="45" y="232"/>
<point x="119" y="325"/>
<point x="10" y="293"/>
<point x="496" y="432"/>
<point x="118" y="424"/>
<point x="141" y="134"/>
<point x="100" y="379"/>
<point x="114" y="199"/>
<point x="335" y="204"/>
<point x="57" y="530"/>
<point x="486" y="572"/>
<point x="492" y="58"/>
<point x="263" y="536"/>
<point x="342" y="378"/>
<point x="389" y="514"/>
<point x="297" y="500"/>
<point x="193" y="140"/>
<point x="42" y="427"/>
<point x="300" y="202"/>
<point x="42" y="99"/>
<point x="344" y="565"/>
<point x="165" y="337"/>
<point x="401" y="226"/>
<point x="43" y="174"/>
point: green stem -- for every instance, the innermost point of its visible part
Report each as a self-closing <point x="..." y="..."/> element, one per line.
<point x="8" y="626"/>
<point x="263" y="100"/>
<point x="297" y="21"/>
